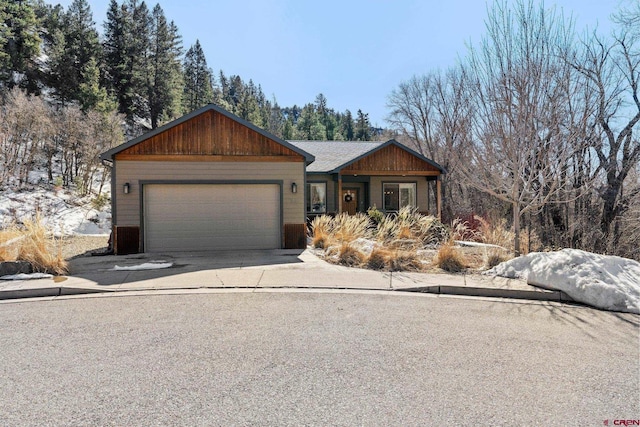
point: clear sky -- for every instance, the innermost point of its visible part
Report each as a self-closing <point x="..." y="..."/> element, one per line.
<point x="354" y="52"/>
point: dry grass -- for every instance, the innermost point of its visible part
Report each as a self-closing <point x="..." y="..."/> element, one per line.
<point x="460" y="230"/>
<point x="409" y="224"/>
<point x="495" y="256"/>
<point x="378" y="259"/>
<point x="497" y="233"/>
<point x="450" y="259"/>
<point x="321" y="227"/>
<point x="405" y="261"/>
<point x="33" y="243"/>
<point x="350" y="256"/>
<point x="346" y="228"/>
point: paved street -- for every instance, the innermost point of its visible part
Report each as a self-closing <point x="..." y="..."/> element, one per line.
<point x="314" y="358"/>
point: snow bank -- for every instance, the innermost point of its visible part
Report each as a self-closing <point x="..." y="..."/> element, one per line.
<point x="145" y="266"/>
<point x="607" y="282"/>
<point x="62" y="211"/>
<point x="23" y="276"/>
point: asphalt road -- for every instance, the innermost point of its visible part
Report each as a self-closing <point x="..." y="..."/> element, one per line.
<point x="306" y="358"/>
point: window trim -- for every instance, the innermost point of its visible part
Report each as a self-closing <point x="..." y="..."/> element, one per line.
<point x="308" y="198"/>
<point x="415" y="186"/>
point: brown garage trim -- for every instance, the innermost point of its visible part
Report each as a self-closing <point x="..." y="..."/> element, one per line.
<point x="205" y="158"/>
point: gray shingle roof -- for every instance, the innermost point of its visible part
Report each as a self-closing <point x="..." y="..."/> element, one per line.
<point x="333" y="154"/>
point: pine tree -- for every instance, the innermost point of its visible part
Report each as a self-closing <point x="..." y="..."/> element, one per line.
<point x="73" y="53"/>
<point x="198" y="80"/>
<point x="164" y="80"/>
<point x="20" y="44"/>
<point x="126" y="49"/>
<point x="93" y="96"/>
<point x="363" y="127"/>
<point x="346" y="126"/>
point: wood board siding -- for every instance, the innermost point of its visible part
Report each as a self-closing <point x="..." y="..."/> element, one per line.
<point x="209" y="134"/>
<point x="133" y="172"/>
<point x="391" y="160"/>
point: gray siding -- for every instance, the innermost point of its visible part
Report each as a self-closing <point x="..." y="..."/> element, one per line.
<point x="331" y="189"/>
<point x="128" y="205"/>
<point x="421" y="189"/>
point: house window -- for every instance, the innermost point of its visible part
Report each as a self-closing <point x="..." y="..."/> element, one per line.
<point x="317" y="197"/>
<point x="398" y="195"/>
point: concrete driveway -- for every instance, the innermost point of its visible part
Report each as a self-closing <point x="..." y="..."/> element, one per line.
<point x="257" y="269"/>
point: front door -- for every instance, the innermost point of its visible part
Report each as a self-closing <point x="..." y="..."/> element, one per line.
<point x="350" y="200"/>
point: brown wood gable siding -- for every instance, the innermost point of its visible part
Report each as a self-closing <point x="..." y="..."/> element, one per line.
<point x="391" y="159"/>
<point x="213" y="135"/>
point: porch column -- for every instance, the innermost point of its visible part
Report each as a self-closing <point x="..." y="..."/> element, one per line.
<point x="439" y="197"/>
<point x="339" y="193"/>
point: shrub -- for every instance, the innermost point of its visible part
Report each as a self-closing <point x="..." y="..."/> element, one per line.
<point x="350" y="256"/>
<point x="375" y="215"/>
<point x="100" y="201"/>
<point x="320" y="240"/>
<point x="450" y="259"/>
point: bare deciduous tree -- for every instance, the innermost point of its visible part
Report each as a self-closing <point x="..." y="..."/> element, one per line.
<point x="611" y="70"/>
<point x="518" y="86"/>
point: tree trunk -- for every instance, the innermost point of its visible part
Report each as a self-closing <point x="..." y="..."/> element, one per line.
<point x="516" y="229"/>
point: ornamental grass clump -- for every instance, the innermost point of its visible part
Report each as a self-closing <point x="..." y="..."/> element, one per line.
<point x="405" y="261"/>
<point x="347" y="228"/>
<point x="321" y="227"/>
<point x="350" y="256"/>
<point x="378" y="259"/>
<point x="450" y="259"/>
<point x="33" y="243"/>
<point x="495" y="256"/>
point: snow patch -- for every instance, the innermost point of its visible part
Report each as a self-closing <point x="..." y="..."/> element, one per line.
<point x="23" y="276"/>
<point x="477" y="244"/>
<point x="146" y="266"/>
<point x="61" y="211"/>
<point x="607" y="282"/>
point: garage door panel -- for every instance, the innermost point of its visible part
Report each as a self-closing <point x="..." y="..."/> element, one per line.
<point x="190" y="217"/>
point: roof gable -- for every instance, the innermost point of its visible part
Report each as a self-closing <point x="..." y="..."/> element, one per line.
<point x="209" y="131"/>
<point x="392" y="157"/>
<point x="389" y="157"/>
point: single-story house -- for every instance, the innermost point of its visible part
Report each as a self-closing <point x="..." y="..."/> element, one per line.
<point x="353" y="176"/>
<point x="212" y="181"/>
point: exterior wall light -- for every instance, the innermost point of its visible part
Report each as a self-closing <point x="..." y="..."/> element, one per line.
<point x="294" y="187"/>
<point x="126" y="188"/>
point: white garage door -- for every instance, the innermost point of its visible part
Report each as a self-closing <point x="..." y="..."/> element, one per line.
<point x="200" y="217"/>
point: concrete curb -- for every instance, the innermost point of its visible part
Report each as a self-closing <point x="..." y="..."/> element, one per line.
<point x="54" y="291"/>
<point x="541" y="295"/>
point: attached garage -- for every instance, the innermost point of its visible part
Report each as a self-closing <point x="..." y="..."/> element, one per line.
<point x="207" y="181"/>
<point x="203" y="217"/>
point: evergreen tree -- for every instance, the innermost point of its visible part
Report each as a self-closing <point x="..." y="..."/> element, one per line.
<point x="91" y="94"/>
<point x="347" y="126"/>
<point x="126" y="49"/>
<point x="363" y="127"/>
<point x="198" y="79"/>
<point x="20" y="44"/>
<point x="74" y="52"/>
<point x="164" y="80"/>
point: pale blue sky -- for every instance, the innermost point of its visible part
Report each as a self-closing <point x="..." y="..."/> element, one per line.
<point x="354" y="52"/>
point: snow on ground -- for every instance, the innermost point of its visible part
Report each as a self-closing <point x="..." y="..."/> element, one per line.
<point x="476" y="244"/>
<point x="23" y="276"/>
<point x="607" y="282"/>
<point x="153" y="265"/>
<point x="60" y="210"/>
